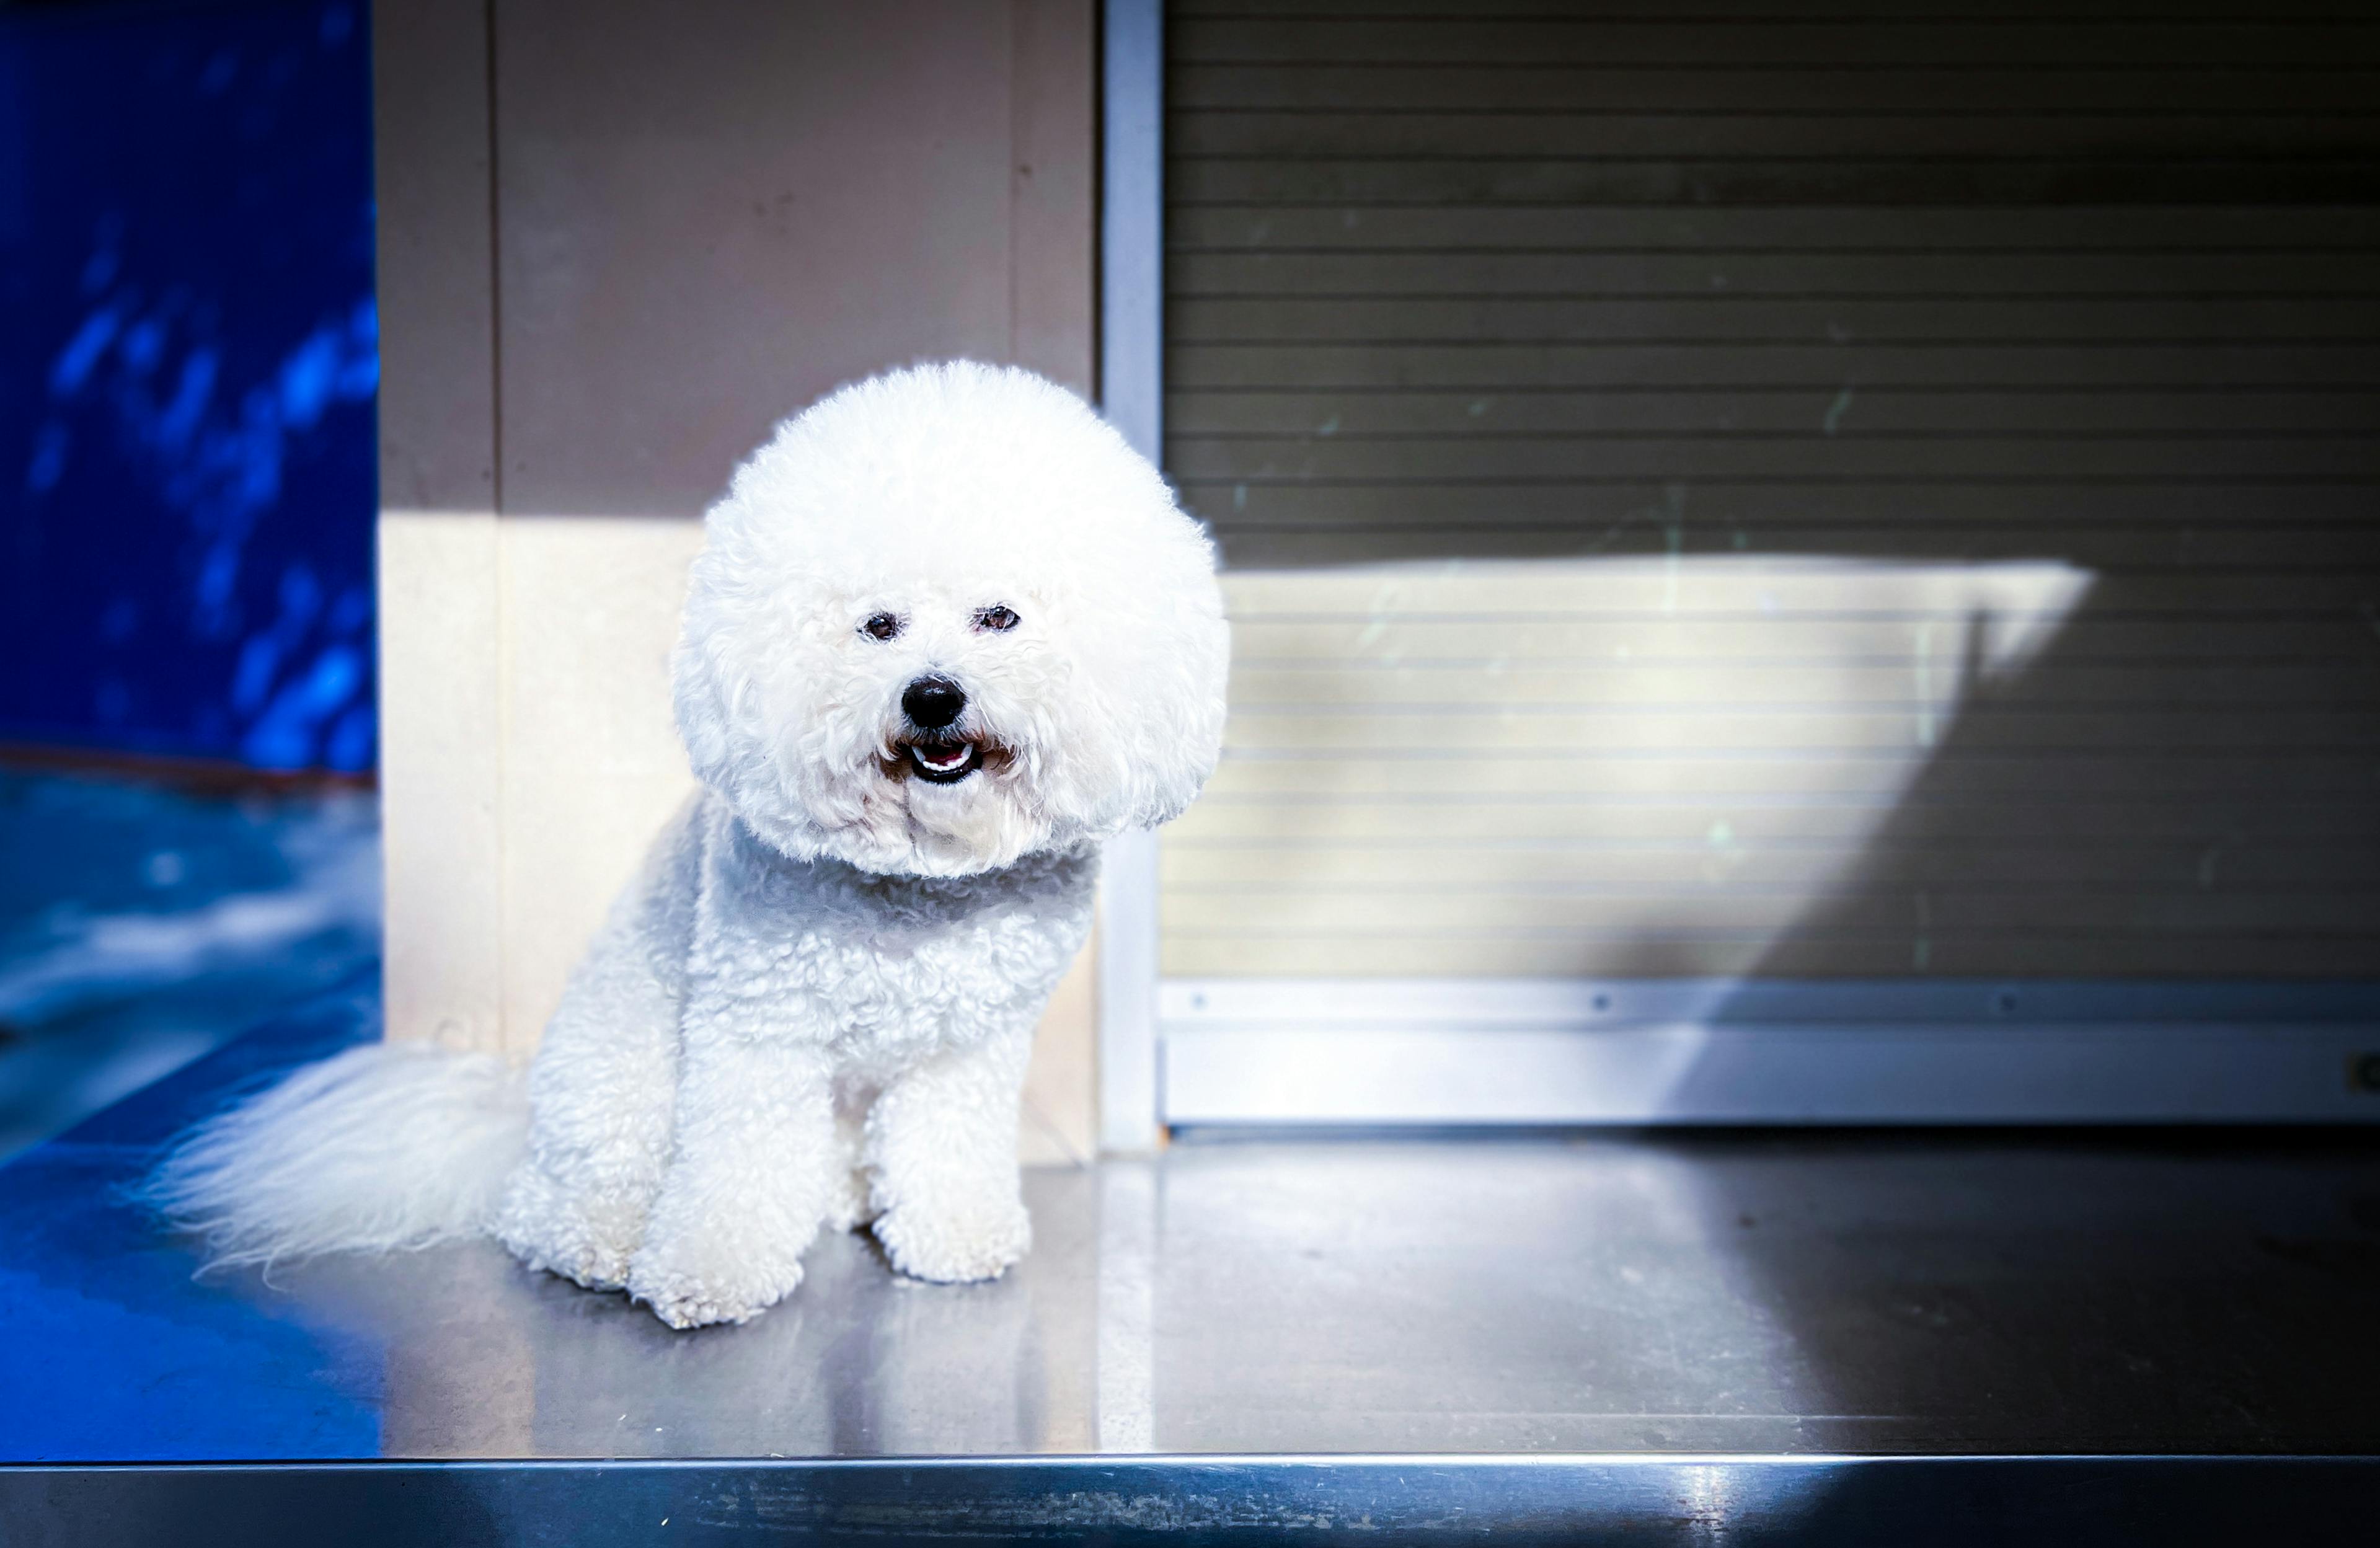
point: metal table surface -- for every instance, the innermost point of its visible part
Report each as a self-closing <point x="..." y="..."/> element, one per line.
<point x="1645" y="1337"/>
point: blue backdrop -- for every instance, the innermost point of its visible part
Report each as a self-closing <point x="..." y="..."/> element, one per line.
<point x="187" y="360"/>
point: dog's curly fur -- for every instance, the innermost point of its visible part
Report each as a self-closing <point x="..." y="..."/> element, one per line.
<point x="815" y="1004"/>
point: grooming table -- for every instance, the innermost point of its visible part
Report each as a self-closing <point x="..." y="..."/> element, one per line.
<point x="1947" y="1337"/>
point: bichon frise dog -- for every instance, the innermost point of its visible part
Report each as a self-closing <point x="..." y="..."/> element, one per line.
<point x="947" y="633"/>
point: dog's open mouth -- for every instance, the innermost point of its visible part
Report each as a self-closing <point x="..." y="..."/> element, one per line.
<point x="944" y="763"/>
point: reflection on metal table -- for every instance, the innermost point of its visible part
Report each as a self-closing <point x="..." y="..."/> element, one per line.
<point x="1821" y="1337"/>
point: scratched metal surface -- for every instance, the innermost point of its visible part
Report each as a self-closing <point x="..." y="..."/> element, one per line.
<point x="1825" y="1502"/>
<point x="1768" y="1296"/>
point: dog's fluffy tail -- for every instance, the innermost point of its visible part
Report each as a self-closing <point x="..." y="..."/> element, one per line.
<point x="383" y="1148"/>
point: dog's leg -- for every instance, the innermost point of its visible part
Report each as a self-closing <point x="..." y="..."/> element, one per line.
<point x="600" y="1100"/>
<point x="942" y="1149"/>
<point x="600" y="1087"/>
<point x="754" y="1161"/>
<point x="752" y="1180"/>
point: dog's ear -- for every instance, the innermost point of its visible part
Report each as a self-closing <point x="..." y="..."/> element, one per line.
<point x="1145" y="630"/>
<point x="1176" y="713"/>
<point x="1154" y="651"/>
<point x="721" y="694"/>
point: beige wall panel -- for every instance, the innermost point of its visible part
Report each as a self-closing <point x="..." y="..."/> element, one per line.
<point x="1060" y="1100"/>
<point x="442" y="769"/>
<point x="593" y="765"/>
<point x="1052" y="298"/>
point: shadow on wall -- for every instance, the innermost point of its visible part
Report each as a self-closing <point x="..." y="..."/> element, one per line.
<point x="2179" y="787"/>
<point x="189" y="357"/>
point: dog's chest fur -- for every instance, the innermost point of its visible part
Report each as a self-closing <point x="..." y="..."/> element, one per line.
<point x="882" y="970"/>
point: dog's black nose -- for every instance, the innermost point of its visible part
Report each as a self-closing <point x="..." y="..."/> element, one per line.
<point x="933" y="702"/>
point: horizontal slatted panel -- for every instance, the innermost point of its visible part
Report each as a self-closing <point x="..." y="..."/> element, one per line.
<point x="1738" y="488"/>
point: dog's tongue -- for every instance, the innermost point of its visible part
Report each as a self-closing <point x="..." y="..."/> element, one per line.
<point x="941" y="760"/>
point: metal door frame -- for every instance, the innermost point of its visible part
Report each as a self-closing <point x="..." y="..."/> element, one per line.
<point x="1353" y="1052"/>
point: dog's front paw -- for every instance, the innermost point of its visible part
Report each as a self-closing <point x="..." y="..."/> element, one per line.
<point x="955" y="1241"/>
<point x="690" y="1306"/>
<point x="563" y="1231"/>
<point x="686" y="1295"/>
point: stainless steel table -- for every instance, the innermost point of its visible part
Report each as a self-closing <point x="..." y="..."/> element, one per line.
<point x="1835" y="1339"/>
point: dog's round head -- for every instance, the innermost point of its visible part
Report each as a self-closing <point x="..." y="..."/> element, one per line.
<point x="946" y="619"/>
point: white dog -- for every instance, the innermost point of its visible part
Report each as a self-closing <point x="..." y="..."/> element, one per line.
<point x="947" y="633"/>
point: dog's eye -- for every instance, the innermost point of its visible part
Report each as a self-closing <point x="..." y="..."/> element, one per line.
<point x="998" y="619"/>
<point x="881" y="626"/>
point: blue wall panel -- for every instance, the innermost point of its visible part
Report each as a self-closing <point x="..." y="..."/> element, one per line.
<point x="187" y="360"/>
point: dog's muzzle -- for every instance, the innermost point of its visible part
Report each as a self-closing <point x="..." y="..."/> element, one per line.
<point x="936" y="753"/>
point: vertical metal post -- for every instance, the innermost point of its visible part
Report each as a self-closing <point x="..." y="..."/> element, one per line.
<point x="1132" y="343"/>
